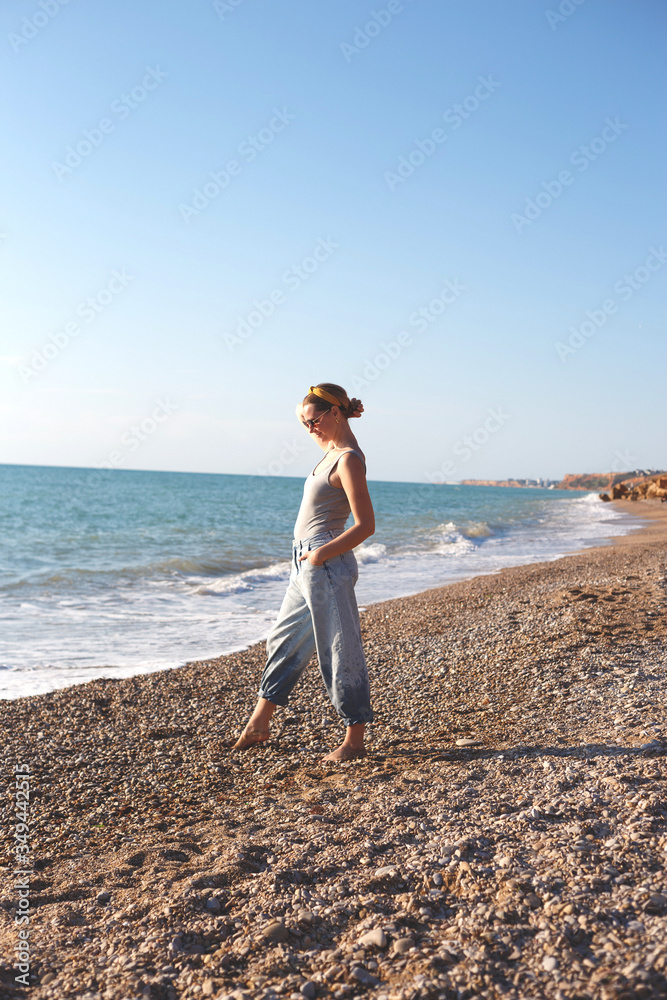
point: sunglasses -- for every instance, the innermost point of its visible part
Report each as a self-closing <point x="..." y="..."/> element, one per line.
<point x="309" y="424"/>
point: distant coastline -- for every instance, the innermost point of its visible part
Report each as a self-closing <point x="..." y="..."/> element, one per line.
<point x="536" y="484"/>
<point x="577" y="481"/>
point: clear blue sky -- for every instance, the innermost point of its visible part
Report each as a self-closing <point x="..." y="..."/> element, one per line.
<point x="316" y="117"/>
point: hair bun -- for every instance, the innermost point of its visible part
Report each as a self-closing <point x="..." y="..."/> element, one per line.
<point x="333" y="395"/>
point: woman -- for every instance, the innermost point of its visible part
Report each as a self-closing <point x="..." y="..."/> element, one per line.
<point x="319" y="612"/>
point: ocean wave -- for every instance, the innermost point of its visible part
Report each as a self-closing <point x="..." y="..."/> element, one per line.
<point x="370" y="553"/>
<point x="237" y="583"/>
<point x="590" y="511"/>
<point x="593" y="501"/>
<point x="204" y="565"/>
<point x="455" y="546"/>
<point x="588" y="500"/>
<point x="452" y="539"/>
<point x="146" y="574"/>
<point x="201" y="568"/>
<point x="476" y="529"/>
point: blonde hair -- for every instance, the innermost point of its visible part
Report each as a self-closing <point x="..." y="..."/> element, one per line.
<point x="347" y="406"/>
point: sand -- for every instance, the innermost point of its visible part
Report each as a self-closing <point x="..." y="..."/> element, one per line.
<point x="505" y="837"/>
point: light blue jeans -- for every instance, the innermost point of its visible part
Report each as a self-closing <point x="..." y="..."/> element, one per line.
<point x="320" y="613"/>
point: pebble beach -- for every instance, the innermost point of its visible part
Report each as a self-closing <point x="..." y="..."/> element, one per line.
<point x="505" y="837"/>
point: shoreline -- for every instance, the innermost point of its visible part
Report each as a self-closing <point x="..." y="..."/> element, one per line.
<point x="128" y="671"/>
<point x="505" y="837"/>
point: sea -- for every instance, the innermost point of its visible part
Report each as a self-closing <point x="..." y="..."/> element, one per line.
<point x="111" y="573"/>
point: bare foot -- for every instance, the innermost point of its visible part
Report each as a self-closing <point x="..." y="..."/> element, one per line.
<point x="250" y="737"/>
<point x="345" y="752"/>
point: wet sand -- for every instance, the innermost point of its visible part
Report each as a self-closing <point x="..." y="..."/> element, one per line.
<point x="506" y="836"/>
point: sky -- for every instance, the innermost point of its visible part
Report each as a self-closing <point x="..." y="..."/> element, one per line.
<point x="453" y="208"/>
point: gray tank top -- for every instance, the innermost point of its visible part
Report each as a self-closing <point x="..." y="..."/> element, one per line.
<point x="323" y="507"/>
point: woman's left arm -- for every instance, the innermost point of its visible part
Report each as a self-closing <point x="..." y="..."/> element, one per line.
<point x="353" y="480"/>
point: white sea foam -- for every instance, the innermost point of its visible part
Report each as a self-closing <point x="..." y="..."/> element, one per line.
<point x="371" y="552"/>
<point x="476" y="529"/>
<point x="239" y="583"/>
<point x="174" y="610"/>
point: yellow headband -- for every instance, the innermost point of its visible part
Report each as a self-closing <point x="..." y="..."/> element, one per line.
<point x="323" y="394"/>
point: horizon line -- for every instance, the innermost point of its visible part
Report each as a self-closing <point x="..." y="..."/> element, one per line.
<point x="179" y="472"/>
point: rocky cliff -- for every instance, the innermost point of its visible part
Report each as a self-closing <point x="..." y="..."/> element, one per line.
<point x="605" y="480"/>
<point x="647" y="488"/>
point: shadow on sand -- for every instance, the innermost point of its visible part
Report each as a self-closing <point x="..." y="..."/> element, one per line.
<point x="586" y="751"/>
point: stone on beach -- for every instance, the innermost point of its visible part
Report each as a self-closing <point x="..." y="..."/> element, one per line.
<point x="531" y="863"/>
<point x="403" y="945"/>
<point x="365" y="977"/>
<point x="387" y="870"/>
<point x="375" y="938"/>
<point x="275" y="931"/>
